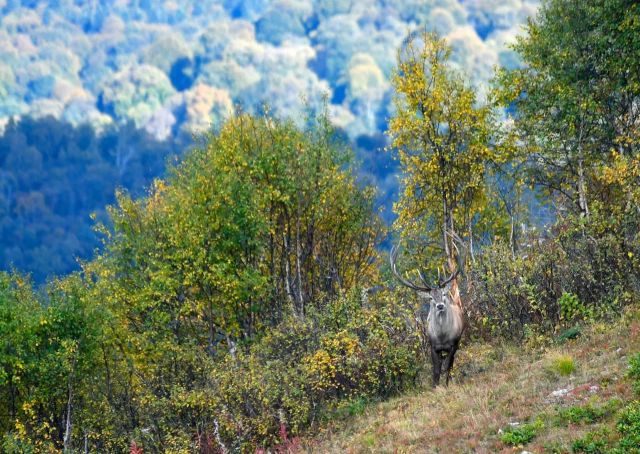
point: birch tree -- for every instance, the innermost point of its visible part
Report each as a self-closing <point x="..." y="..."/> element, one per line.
<point x="443" y="137"/>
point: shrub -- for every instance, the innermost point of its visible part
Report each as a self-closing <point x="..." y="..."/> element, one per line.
<point x="554" y="447"/>
<point x="571" y="333"/>
<point x="335" y="359"/>
<point x="571" y="308"/>
<point x="588" y="414"/>
<point x="45" y="347"/>
<point x="629" y="428"/>
<point x="595" y="442"/>
<point x="634" y="372"/>
<point x="523" y="434"/>
<point x="583" y="271"/>
<point x="353" y="408"/>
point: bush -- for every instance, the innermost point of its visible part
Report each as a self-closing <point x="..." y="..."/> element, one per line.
<point x="224" y="313"/>
<point x="595" y="442"/>
<point x="571" y="333"/>
<point x="571" y="308"/>
<point x="521" y="435"/>
<point x="629" y="428"/>
<point x="336" y="358"/>
<point x="588" y="414"/>
<point x="331" y="362"/>
<point x="634" y="372"/>
<point x="583" y="271"/>
<point x="46" y="347"/>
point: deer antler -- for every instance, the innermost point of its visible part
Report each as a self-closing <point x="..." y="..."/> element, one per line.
<point x="393" y="256"/>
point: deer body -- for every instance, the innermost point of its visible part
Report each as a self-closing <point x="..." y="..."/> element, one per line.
<point x="444" y="330"/>
<point x="445" y="322"/>
<point x="445" y="327"/>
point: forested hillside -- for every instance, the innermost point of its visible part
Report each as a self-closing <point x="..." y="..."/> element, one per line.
<point x="56" y="181"/>
<point x="169" y="69"/>
<point x="245" y="300"/>
<point x="55" y="177"/>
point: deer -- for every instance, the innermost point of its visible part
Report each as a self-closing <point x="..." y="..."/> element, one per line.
<point x="445" y="322"/>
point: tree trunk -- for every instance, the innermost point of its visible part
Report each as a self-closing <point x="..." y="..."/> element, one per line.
<point x="471" y="251"/>
<point x="445" y="230"/>
<point x="287" y="269"/>
<point x="67" y="426"/>
<point x="299" y="264"/>
<point x="582" y="185"/>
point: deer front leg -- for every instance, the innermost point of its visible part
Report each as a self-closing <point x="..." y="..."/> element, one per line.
<point x="448" y="362"/>
<point x="436" y="361"/>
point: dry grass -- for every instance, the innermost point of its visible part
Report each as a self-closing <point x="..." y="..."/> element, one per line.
<point x="495" y="386"/>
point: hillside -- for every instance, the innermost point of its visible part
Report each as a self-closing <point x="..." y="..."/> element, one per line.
<point x="498" y="387"/>
<point x="115" y="88"/>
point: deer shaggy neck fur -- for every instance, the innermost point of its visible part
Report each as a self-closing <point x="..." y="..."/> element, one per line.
<point x="444" y="327"/>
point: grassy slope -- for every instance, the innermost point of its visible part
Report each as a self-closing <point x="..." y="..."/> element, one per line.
<point x="497" y="386"/>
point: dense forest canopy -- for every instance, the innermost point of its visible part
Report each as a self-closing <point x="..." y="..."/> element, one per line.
<point x="172" y="67"/>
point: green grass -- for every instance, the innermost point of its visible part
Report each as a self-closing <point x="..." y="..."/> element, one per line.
<point x="352" y="408"/>
<point x="564" y="365"/>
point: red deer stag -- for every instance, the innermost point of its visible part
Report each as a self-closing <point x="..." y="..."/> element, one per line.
<point x="445" y="322"/>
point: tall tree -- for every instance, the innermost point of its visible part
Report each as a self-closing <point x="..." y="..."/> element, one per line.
<point x="260" y="221"/>
<point x="575" y="101"/>
<point x="443" y="138"/>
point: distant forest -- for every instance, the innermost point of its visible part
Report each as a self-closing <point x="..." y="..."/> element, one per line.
<point x="176" y="67"/>
<point x="55" y="177"/>
<point x="98" y="95"/>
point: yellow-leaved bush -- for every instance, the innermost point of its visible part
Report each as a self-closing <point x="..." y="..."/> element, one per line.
<point x="301" y="370"/>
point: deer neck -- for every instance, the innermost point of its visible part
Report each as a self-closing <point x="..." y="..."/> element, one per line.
<point x="455" y="294"/>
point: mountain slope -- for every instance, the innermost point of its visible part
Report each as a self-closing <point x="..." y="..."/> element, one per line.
<point x="504" y="395"/>
<point x="175" y="67"/>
